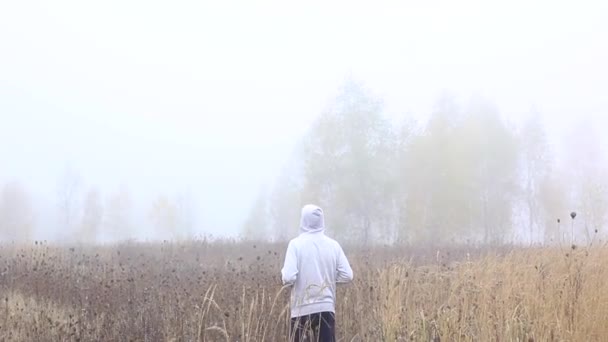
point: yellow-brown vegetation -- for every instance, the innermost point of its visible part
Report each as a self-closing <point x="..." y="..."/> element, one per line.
<point x="226" y="291"/>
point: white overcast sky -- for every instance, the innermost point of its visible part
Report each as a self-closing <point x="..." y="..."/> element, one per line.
<point x="211" y="97"/>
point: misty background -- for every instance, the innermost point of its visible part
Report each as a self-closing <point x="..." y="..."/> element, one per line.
<point x="473" y="121"/>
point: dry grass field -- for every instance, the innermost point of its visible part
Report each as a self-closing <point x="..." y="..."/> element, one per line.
<point x="223" y="291"/>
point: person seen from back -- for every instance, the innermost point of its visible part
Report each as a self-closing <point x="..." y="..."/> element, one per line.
<point x="314" y="264"/>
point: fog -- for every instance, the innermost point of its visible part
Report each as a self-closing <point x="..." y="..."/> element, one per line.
<point x="207" y="103"/>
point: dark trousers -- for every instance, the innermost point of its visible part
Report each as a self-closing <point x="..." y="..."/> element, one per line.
<point x="318" y="327"/>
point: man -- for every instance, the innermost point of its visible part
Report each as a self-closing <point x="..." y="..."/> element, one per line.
<point x="314" y="263"/>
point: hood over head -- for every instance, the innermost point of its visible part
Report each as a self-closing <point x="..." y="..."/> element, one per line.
<point x="312" y="219"/>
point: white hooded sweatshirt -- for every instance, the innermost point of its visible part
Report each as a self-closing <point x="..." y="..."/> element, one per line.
<point x="314" y="263"/>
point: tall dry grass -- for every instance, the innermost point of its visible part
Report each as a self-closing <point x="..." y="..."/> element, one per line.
<point x="231" y="292"/>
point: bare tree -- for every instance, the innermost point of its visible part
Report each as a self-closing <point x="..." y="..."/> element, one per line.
<point x="285" y="203"/>
<point x="117" y="216"/>
<point x="16" y="214"/>
<point x="186" y="213"/>
<point x="92" y="216"/>
<point x="256" y="226"/>
<point x="586" y="165"/>
<point x="535" y="167"/>
<point x="173" y="218"/>
<point x="68" y="196"/>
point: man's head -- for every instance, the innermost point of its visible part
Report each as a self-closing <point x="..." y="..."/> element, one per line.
<point x="312" y="219"/>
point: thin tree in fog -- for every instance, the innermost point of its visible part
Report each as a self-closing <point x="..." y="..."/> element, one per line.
<point x="16" y="213"/>
<point x="535" y="168"/>
<point x="553" y="200"/>
<point x="587" y="165"/>
<point x="163" y="214"/>
<point x="545" y="184"/>
<point x="186" y="213"/>
<point x="285" y="202"/>
<point x="402" y="183"/>
<point x="173" y="218"/>
<point x="117" y="218"/>
<point x="68" y="196"/>
<point x="92" y="216"/>
<point x="495" y="168"/>
<point x="256" y="227"/>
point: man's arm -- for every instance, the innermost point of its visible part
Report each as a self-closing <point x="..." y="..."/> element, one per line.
<point x="345" y="273"/>
<point x="289" y="272"/>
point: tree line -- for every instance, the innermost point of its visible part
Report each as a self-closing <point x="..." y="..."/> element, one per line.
<point x="465" y="175"/>
<point x="88" y="215"/>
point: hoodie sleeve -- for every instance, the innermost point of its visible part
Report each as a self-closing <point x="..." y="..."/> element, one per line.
<point x="345" y="273"/>
<point x="289" y="273"/>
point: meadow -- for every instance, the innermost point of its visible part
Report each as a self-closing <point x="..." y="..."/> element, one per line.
<point x="231" y="291"/>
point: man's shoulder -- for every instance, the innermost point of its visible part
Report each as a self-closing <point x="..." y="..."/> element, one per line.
<point x="332" y="242"/>
<point x="296" y="241"/>
<point x="309" y="238"/>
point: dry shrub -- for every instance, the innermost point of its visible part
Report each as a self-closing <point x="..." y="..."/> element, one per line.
<point x="227" y="291"/>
